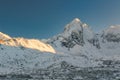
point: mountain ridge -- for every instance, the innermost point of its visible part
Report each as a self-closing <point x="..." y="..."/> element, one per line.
<point x="76" y="33"/>
<point x="75" y="49"/>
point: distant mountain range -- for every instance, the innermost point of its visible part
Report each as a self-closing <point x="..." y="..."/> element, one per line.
<point x="77" y="53"/>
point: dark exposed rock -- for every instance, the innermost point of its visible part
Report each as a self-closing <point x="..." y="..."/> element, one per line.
<point x="73" y="39"/>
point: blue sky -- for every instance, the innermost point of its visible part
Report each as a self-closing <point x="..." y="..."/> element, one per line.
<point x="46" y="18"/>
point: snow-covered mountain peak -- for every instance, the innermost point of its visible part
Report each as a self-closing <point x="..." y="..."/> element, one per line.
<point x="77" y="27"/>
<point x="115" y="26"/>
<point x="76" y="20"/>
<point x="76" y="35"/>
<point x="113" y="30"/>
<point x="112" y="33"/>
<point x="27" y="43"/>
<point x="74" y="26"/>
<point x="4" y="36"/>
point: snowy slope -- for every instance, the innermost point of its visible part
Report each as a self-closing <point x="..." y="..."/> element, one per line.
<point x="4" y="36"/>
<point x="23" y="60"/>
<point x="110" y="42"/>
<point x="28" y="43"/>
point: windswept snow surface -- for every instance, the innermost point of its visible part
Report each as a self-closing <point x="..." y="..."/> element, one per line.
<point x="21" y="60"/>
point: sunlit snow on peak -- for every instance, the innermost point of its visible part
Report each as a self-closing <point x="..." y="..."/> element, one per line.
<point x="115" y="26"/>
<point x="4" y="36"/>
<point x="112" y="26"/>
<point x="27" y="43"/>
<point x="77" y="19"/>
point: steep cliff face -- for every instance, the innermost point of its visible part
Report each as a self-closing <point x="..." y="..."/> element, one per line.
<point x="76" y="39"/>
<point x="75" y="32"/>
